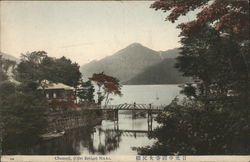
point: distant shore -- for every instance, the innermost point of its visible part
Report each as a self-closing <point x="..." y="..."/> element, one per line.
<point x="154" y="84"/>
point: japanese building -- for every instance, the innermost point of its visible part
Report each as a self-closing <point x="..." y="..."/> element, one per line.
<point x="57" y="92"/>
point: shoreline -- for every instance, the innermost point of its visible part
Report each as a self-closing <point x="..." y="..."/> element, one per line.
<point x="152" y="84"/>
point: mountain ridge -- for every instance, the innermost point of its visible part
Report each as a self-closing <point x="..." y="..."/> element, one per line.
<point x="125" y="63"/>
<point x="137" y="64"/>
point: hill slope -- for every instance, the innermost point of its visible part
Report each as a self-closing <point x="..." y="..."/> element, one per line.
<point x="9" y="57"/>
<point x="161" y="73"/>
<point x="124" y="64"/>
<point x="173" y="53"/>
<point x="137" y="64"/>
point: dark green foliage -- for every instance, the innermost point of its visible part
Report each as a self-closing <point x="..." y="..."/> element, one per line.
<point x="219" y="63"/>
<point x="23" y="108"/>
<point x="190" y="129"/>
<point x="29" y="67"/>
<point x="189" y="90"/>
<point x="64" y="71"/>
<point x="28" y="86"/>
<point x="22" y="116"/>
<point x="37" y="66"/>
<point x="6" y="88"/>
<point x="215" y="117"/>
<point x="3" y="76"/>
<point x="86" y="91"/>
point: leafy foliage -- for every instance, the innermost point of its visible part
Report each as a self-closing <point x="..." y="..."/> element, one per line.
<point x="3" y="76"/>
<point x="22" y="116"/>
<point x="215" y="116"/>
<point x="86" y="91"/>
<point x="37" y="66"/>
<point x="217" y="63"/>
<point x="23" y="108"/>
<point x="109" y="84"/>
<point x="190" y="129"/>
<point x="224" y="15"/>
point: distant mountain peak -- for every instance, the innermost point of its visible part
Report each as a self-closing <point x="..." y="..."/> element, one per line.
<point x="134" y="60"/>
<point x="135" y="45"/>
<point x="136" y="49"/>
<point x="125" y="63"/>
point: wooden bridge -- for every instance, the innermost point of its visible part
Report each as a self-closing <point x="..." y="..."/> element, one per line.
<point x="133" y="107"/>
<point x="129" y="107"/>
<point x="135" y="133"/>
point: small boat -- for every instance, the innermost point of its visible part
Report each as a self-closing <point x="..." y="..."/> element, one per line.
<point x="52" y="135"/>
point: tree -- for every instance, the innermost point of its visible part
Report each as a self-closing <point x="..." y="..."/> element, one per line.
<point x="5" y="66"/>
<point x="38" y="66"/>
<point x="22" y="110"/>
<point x="3" y="76"/>
<point x="109" y="84"/>
<point x="216" y="62"/>
<point x="29" y="69"/>
<point x="86" y="91"/>
<point x="229" y="16"/>
<point x="214" y="118"/>
<point x="23" y="116"/>
<point x="187" y="128"/>
<point x="65" y="71"/>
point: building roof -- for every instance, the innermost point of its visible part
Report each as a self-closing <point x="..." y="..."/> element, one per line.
<point x="50" y="85"/>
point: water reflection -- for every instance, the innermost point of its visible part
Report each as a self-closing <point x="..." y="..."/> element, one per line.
<point x="104" y="141"/>
<point x="101" y="139"/>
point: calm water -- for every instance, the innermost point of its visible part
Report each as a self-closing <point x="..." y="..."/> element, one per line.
<point x="146" y="94"/>
<point x="103" y="139"/>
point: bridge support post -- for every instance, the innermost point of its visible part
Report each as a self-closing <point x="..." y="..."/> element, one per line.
<point x="116" y="120"/>
<point x="133" y="114"/>
<point x="133" y="111"/>
<point x="150" y="121"/>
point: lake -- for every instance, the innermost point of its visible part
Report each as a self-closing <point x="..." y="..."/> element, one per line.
<point x="104" y="139"/>
<point x="146" y="94"/>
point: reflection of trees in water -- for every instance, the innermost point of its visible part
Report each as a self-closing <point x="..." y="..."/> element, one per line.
<point x="109" y="143"/>
<point x="70" y="144"/>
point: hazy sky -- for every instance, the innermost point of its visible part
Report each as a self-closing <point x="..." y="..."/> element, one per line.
<point x="84" y="30"/>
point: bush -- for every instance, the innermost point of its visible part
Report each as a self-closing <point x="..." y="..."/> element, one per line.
<point x="194" y="129"/>
<point x="22" y="117"/>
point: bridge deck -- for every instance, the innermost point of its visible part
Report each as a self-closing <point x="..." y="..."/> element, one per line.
<point x="136" y="133"/>
<point x="129" y="107"/>
<point x="127" y="131"/>
<point x="122" y="109"/>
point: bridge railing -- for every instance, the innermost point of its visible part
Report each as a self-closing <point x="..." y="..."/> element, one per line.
<point x="133" y="107"/>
